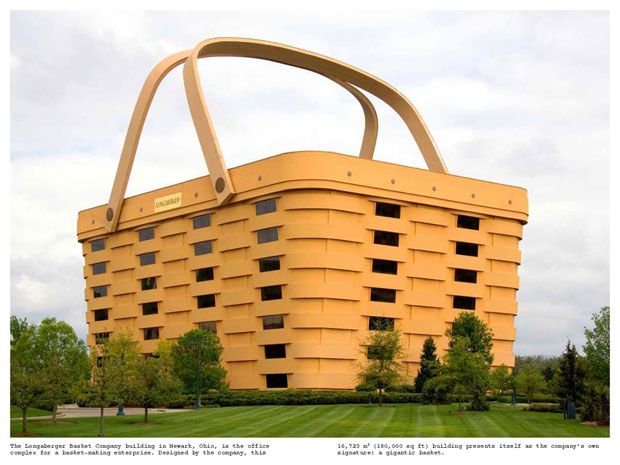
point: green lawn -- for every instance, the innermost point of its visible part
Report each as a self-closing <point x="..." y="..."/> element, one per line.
<point x="402" y="420"/>
<point x="31" y="412"/>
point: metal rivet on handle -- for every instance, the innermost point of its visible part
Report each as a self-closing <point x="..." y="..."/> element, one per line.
<point x="260" y="178"/>
<point x="93" y="222"/>
<point x="349" y="173"/>
<point x="473" y="196"/>
<point x="393" y="181"/>
<point x="195" y="194"/>
<point x="220" y="184"/>
<point x="434" y="188"/>
<point x="109" y="214"/>
<point x="510" y="202"/>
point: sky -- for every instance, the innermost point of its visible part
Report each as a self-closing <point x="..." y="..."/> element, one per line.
<point x="520" y="98"/>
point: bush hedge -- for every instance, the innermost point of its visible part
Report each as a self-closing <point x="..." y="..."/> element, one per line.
<point x="555" y="408"/>
<point x="305" y="397"/>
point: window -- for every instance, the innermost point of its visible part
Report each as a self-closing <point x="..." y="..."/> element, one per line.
<point x="466" y="248"/>
<point x="379" y="323"/>
<point x="204" y="274"/>
<point x="149" y="308"/>
<point x="271" y="293"/>
<point x="96" y="246"/>
<point x="378" y="294"/>
<point x="98" y="268"/>
<point x="101" y="315"/>
<point x="468" y="222"/>
<point x="100" y="291"/>
<point x="273" y="322"/>
<point x="265" y="206"/>
<point x="209" y="326"/>
<point x="465" y="276"/>
<point x="203" y="248"/>
<point x="387" y="209"/>
<point x="267" y="235"/>
<point x="202" y="221"/>
<point x="146" y="234"/>
<point x="277" y="381"/>
<point x="100" y="338"/>
<point x="149" y="283"/>
<point x="466" y="303"/>
<point x="206" y="301"/>
<point x="151" y="333"/>
<point x="384" y="266"/>
<point x="386" y="238"/>
<point x="147" y="259"/>
<point x="275" y="351"/>
<point x="269" y="264"/>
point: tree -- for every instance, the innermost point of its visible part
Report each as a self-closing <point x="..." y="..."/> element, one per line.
<point x="124" y="354"/>
<point x="382" y="367"/>
<point x="150" y="385"/>
<point x="64" y="361"/>
<point x="196" y="358"/>
<point x="479" y="336"/>
<point x="428" y="364"/>
<point x="26" y="371"/>
<point x="501" y="380"/>
<point x="102" y="388"/>
<point x="463" y="372"/>
<point x="597" y="347"/>
<point x="570" y="375"/>
<point x="468" y="330"/>
<point x="530" y="381"/>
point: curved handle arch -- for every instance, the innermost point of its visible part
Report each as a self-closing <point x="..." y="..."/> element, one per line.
<point x="136" y="124"/>
<point x="284" y="54"/>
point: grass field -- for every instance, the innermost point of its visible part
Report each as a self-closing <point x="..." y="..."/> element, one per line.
<point x="401" y="420"/>
<point x="16" y="412"/>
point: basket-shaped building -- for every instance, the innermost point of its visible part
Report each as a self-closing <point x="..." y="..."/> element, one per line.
<point x="293" y="259"/>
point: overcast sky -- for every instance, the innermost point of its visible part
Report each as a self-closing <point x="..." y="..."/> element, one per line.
<point x="516" y="98"/>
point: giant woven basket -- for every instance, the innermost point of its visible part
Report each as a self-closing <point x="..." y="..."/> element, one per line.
<point x="293" y="259"/>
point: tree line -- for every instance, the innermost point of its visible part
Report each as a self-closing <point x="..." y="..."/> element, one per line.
<point x="51" y="366"/>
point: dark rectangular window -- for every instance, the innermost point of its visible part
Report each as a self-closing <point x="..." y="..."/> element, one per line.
<point x="386" y="238"/>
<point x="206" y="301"/>
<point x="265" y="206"/>
<point x="209" y="326"/>
<point x="151" y="333"/>
<point x="384" y="266"/>
<point x="378" y="294"/>
<point x="275" y="351"/>
<point x="100" y="338"/>
<point x="203" y="248"/>
<point x="387" y="209"/>
<point x="147" y="259"/>
<point x="96" y="246"/>
<point x="466" y="303"/>
<point x="101" y="315"/>
<point x="146" y="234"/>
<point x="271" y="293"/>
<point x="267" y="235"/>
<point x="467" y="248"/>
<point x="465" y="276"/>
<point x="204" y="274"/>
<point x="273" y="322"/>
<point x="100" y="291"/>
<point x="150" y="308"/>
<point x="468" y="222"/>
<point x="379" y="323"/>
<point x="98" y="268"/>
<point x="269" y="264"/>
<point x="149" y="283"/>
<point x="202" y="221"/>
<point x="277" y="380"/>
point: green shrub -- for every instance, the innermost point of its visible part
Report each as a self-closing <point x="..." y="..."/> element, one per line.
<point x="555" y="408"/>
<point x="365" y="387"/>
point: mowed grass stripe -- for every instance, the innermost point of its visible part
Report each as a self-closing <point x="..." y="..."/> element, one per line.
<point x="401" y="420"/>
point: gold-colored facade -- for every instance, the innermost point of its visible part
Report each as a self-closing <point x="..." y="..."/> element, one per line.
<point x="333" y="280"/>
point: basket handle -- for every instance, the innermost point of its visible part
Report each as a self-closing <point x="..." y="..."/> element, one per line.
<point x="141" y="109"/>
<point x="298" y="58"/>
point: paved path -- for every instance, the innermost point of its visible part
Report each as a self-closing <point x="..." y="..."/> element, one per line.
<point x="73" y="411"/>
